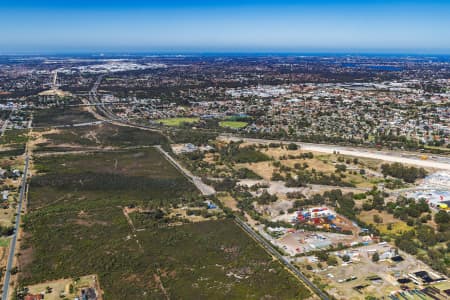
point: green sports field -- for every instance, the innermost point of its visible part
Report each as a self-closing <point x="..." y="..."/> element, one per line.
<point x="233" y="124"/>
<point x="177" y="121"/>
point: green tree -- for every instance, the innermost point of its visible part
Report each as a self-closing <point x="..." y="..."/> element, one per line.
<point x="340" y="168"/>
<point x="292" y="146"/>
<point x="442" y="217"/>
<point x="377" y="219"/>
<point x="322" y="256"/>
<point x="375" y="257"/>
<point x="426" y="235"/>
<point x="332" y="261"/>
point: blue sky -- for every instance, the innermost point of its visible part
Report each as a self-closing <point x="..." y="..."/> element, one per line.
<point x="225" y="26"/>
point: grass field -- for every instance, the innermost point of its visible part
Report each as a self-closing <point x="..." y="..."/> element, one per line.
<point x="76" y="227"/>
<point x="233" y="124"/>
<point x="443" y="150"/>
<point x="264" y="169"/>
<point x="398" y="226"/>
<point x="177" y="121"/>
<point x="228" y="200"/>
<point x="4" y="242"/>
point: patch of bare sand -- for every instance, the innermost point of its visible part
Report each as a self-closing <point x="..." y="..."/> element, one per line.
<point x="38" y="137"/>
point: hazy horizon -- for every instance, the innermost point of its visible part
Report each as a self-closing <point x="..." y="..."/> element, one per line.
<point x="137" y="53"/>
<point x="397" y="27"/>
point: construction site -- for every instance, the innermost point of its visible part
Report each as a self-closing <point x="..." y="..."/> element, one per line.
<point x="322" y="229"/>
<point x="324" y="218"/>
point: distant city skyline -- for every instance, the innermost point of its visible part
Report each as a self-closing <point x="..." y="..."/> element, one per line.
<point x="347" y="26"/>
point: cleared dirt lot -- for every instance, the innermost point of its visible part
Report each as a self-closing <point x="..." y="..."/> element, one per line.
<point x="62" y="287"/>
<point x="300" y="241"/>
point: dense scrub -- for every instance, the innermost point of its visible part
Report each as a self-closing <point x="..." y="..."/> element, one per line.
<point x="137" y="176"/>
<point x="76" y="226"/>
<point x="196" y="137"/>
<point x="61" y="116"/>
<point x="232" y="152"/>
<point x="408" y="174"/>
<point x="13" y="143"/>
<point x="104" y="135"/>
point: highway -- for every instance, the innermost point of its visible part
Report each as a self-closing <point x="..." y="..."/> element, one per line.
<point x="206" y="190"/>
<point x="269" y="248"/>
<point x="100" y="106"/>
<point x="103" y="114"/>
<point x="436" y="162"/>
<point x="107" y="116"/>
<point x="402" y="157"/>
<point x="12" y="246"/>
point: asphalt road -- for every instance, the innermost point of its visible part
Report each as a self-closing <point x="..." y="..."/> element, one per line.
<point x="12" y="246"/>
<point x="266" y="245"/>
<point x="205" y="189"/>
<point x="437" y="162"/>
<point x="434" y="161"/>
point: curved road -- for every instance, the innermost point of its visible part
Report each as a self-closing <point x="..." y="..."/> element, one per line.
<point x="436" y="162"/>
<point x="407" y="158"/>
